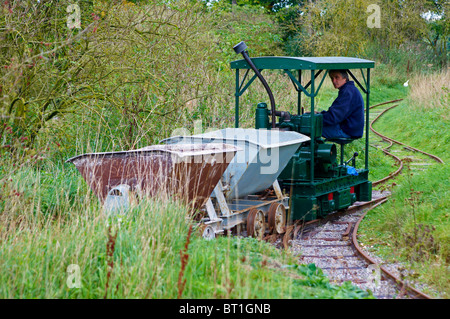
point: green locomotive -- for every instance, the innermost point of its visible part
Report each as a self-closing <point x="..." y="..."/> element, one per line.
<point x="317" y="182"/>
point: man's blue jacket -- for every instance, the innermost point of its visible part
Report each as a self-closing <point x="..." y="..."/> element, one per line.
<point x="347" y="111"/>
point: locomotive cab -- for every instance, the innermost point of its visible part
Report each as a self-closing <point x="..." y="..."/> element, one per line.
<point x="316" y="181"/>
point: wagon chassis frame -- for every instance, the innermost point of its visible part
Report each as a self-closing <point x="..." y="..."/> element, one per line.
<point x="234" y="212"/>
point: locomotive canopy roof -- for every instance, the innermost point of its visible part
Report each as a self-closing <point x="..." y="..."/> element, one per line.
<point x="304" y="63"/>
<point x="316" y="65"/>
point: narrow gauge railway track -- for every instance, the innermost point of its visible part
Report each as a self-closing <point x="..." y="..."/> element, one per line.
<point x="415" y="158"/>
<point x="331" y="243"/>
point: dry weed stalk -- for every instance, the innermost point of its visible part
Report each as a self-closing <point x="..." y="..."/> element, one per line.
<point x="184" y="256"/>
<point x="110" y="247"/>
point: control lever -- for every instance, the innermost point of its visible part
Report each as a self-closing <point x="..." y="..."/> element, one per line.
<point x="352" y="159"/>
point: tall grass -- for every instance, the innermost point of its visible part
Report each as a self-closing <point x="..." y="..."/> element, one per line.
<point x="74" y="250"/>
<point x="426" y="108"/>
<point x="431" y="91"/>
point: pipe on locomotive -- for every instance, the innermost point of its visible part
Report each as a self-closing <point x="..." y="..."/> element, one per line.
<point x="240" y="48"/>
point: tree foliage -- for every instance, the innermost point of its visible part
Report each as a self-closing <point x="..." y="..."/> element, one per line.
<point x="436" y="36"/>
<point x="128" y="64"/>
<point x="332" y="27"/>
<point x="134" y="70"/>
<point x="245" y="23"/>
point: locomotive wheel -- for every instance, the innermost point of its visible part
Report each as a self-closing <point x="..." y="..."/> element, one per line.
<point x="255" y="223"/>
<point x="277" y="218"/>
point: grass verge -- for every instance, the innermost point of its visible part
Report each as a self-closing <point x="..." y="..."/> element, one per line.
<point x="414" y="226"/>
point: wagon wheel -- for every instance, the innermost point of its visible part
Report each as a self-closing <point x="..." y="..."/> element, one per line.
<point x="208" y="232"/>
<point x="277" y="218"/>
<point x="255" y="223"/>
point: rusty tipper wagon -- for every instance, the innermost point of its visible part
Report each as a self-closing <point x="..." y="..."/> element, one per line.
<point x="237" y="199"/>
<point x="187" y="172"/>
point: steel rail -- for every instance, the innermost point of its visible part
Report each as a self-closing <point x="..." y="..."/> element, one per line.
<point x="387" y="102"/>
<point x="385" y="150"/>
<point x="436" y="158"/>
<point x="405" y="286"/>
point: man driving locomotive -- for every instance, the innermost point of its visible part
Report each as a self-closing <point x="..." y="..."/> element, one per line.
<point x="345" y="117"/>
